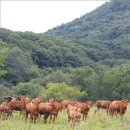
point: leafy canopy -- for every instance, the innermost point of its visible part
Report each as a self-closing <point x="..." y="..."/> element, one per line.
<point x="62" y="91"/>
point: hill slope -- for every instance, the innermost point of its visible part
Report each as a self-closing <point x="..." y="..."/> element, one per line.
<point x="46" y="51"/>
<point x="107" y="22"/>
<point x="99" y="38"/>
<point x="106" y="27"/>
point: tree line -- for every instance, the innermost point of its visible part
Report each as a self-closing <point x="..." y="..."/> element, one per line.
<point x="35" y="64"/>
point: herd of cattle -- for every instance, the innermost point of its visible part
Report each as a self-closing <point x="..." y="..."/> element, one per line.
<point x="75" y="109"/>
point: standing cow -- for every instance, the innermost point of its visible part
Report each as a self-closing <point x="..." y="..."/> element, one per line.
<point x="102" y="104"/>
<point x="118" y="108"/>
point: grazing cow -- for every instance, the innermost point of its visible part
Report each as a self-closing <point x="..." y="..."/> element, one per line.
<point x="118" y="107"/>
<point x="104" y="104"/>
<point x="74" y="115"/>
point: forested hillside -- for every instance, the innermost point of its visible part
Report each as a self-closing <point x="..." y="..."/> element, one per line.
<point x="107" y="22"/>
<point x="88" y="57"/>
<point x="105" y="32"/>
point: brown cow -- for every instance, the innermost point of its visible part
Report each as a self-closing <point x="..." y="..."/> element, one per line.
<point x="5" y="110"/>
<point x="40" y="99"/>
<point x="32" y="109"/>
<point x="104" y="104"/>
<point x="56" y="107"/>
<point x="74" y="115"/>
<point x="50" y="108"/>
<point x="118" y="107"/>
<point x="84" y="107"/>
<point x="2" y="108"/>
<point x="17" y="105"/>
<point x="90" y="103"/>
<point x="25" y="99"/>
<point x="65" y="103"/>
<point x="45" y="109"/>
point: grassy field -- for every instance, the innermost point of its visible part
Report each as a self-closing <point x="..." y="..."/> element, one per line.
<point x="98" y="122"/>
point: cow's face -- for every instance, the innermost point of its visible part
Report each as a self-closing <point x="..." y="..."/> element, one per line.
<point x="8" y="98"/>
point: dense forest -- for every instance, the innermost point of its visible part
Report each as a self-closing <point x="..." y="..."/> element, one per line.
<point x="105" y="32"/>
<point x="88" y="57"/>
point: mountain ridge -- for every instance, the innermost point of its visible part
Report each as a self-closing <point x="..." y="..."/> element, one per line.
<point x="97" y="22"/>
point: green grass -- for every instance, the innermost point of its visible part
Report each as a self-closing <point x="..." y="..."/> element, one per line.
<point x="98" y="122"/>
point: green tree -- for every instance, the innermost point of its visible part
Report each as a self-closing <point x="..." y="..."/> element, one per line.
<point x="3" y="56"/>
<point x="20" y="67"/>
<point x="116" y="82"/>
<point x="62" y="91"/>
<point x="29" y="89"/>
<point x="57" y="77"/>
<point x="82" y="77"/>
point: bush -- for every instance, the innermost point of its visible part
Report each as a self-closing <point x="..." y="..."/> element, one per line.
<point x="62" y="91"/>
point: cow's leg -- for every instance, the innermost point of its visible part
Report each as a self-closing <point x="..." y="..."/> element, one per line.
<point x="31" y="117"/>
<point x="20" y="113"/>
<point x="34" y="118"/>
<point x="69" y="118"/>
<point x="116" y="114"/>
<point x="0" y="114"/>
<point x="107" y="111"/>
<point x="56" y="114"/>
<point x="11" y="113"/>
<point x="112" y="113"/>
<point x="121" y="114"/>
<point x="26" y="116"/>
<point x="78" y="121"/>
<point x="46" y="117"/>
<point x="83" y="116"/>
<point x="50" y="118"/>
<point x="96" y="110"/>
<point x="39" y="116"/>
<point x="86" y="116"/>
<point x="5" y="114"/>
<point x="72" y="122"/>
<point x="53" y="118"/>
